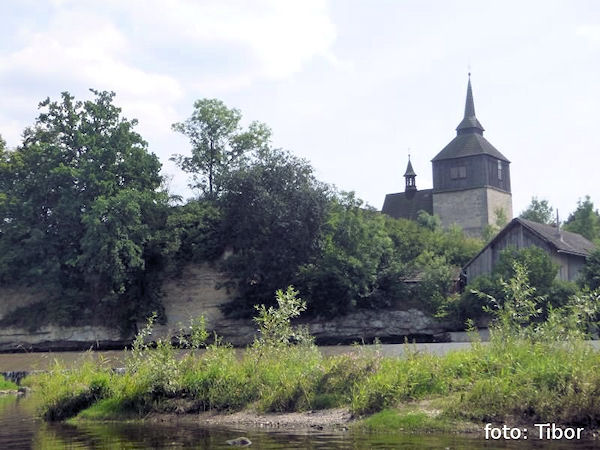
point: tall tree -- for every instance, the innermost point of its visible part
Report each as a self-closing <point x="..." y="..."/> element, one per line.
<point x="80" y="197"/>
<point x="539" y="211"/>
<point x="585" y="220"/>
<point x="219" y="144"/>
<point x="273" y="210"/>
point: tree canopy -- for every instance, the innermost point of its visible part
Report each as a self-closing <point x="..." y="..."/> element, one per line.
<point x="585" y="220"/>
<point x="219" y="144"/>
<point x="539" y="211"/>
<point x="79" y="199"/>
<point x="273" y="211"/>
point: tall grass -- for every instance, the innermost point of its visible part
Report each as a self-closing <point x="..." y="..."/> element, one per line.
<point x="531" y="370"/>
<point x="7" y="385"/>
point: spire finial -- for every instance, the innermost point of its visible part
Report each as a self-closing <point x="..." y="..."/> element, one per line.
<point x="469" y="123"/>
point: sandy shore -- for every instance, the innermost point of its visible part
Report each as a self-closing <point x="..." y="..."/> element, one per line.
<point x="327" y="419"/>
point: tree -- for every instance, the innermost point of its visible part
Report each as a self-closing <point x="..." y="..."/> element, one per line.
<point x="81" y="207"/>
<point x="590" y="273"/>
<point x="272" y="212"/>
<point x="355" y="250"/>
<point x="429" y="221"/>
<point x="219" y="144"/>
<point x="585" y="220"/>
<point x="539" y="211"/>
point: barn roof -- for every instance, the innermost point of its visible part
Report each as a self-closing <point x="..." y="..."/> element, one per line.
<point x="563" y="241"/>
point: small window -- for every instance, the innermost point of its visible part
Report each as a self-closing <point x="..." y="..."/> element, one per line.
<point x="499" y="170"/>
<point x="458" y="172"/>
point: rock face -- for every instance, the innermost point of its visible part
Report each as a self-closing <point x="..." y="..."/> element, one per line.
<point x="192" y="294"/>
<point x="51" y="337"/>
<point x="57" y="338"/>
<point x="388" y="325"/>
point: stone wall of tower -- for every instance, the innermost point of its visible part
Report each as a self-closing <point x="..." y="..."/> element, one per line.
<point x="497" y="199"/>
<point x="471" y="209"/>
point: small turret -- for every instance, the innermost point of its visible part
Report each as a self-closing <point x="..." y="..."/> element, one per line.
<point x="409" y="177"/>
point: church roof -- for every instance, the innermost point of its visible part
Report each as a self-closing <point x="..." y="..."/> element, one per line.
<point x="407" y="205"/>
<point x="469" y="138"/>
<point x="469" y="145"/>
<point x="409" y="170"/>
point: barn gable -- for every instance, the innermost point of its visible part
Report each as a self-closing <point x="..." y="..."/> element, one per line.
<point x="567" y="249"/>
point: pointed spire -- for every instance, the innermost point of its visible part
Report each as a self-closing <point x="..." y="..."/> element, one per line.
<point x="409" y="169"/>
<point x="409" y="177"/>
<point x="469" y="124"/>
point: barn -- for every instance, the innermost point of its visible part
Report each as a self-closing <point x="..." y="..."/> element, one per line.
<point x="568" y="250"/>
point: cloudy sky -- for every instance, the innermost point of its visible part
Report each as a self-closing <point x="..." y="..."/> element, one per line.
<point x="349" y="85"/>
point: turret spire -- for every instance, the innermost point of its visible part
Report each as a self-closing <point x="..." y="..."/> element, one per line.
<point x="469" y="124"/>
<point x="409" y="177"/>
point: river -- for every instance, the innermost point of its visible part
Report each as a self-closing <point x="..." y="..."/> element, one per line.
<point x="21" y="429"/>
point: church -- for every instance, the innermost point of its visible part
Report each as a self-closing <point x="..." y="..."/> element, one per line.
<point x="471" y="181"/>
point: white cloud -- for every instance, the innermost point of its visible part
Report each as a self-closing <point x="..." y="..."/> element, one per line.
<point x="590" y="32"/>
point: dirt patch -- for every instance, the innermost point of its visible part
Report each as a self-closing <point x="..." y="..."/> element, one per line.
<point x="327" y="419"/>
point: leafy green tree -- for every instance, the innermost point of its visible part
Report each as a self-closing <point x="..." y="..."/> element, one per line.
<point x="590" y="273"/>
<point x="429" y="221"/>
<point x="219" y="144"/>
<point x="541" y="274"/>
<point x="539" y="211"/>
<point x="436" y="281"/>
<point x="354" y="247"/>
<point x="541" y="269"/>
<point x="272" y="213"/>
<point x="585" y="220"/>
<point x="80" y="207"/>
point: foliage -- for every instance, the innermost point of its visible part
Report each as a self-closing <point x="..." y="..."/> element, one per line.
<point x="219" y="144"/>
<point x="539" y="211"/>
<point x="275" y="324"/>
<point x="431" y="222"/>
<point x="354" y="246"/>
<point x="366" y="256"/>
<point x="541" y="269"/>
<point x="585" y="220"/>
<point x="63" y="391"/>
<point x="541" y="272"/>
<point x="80" y="208"/>
<point x="7" y="384"/>
<point x="590" y="273"/>
<point x="195" y="232"/>
<point x="273" y="210"/>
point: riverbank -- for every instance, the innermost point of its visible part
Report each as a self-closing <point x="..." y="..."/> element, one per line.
<point x="515" y="381"/>
<point x="530" y="372"/>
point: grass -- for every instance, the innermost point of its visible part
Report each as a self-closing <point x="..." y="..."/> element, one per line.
<point x="7" y="385"/>
<point x="530" y="372"/>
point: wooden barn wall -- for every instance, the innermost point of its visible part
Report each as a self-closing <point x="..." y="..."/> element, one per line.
<point x="520" y="237"/>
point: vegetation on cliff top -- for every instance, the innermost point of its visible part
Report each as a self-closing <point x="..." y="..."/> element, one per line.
<point x="531" y="371"/>
<point x="86" y="219"/>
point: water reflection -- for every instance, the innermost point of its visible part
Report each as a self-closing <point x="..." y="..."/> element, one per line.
<point x="19" y="429"/>
<point x="145" y="436"/>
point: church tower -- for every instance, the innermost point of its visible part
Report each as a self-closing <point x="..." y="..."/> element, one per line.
<point x="471" y="178"/>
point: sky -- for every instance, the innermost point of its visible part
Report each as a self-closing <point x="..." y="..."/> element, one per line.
<point x="352" y="86"/>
